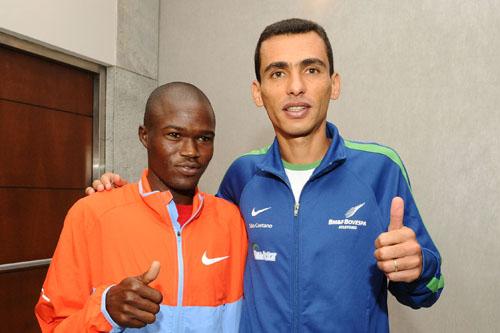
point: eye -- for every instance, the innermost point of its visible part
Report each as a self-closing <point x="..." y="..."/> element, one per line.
<point x="205" y="138"/>
<point x="312" y="70"/>
<point x="277" y="75"/>
<point x="173" y="135"/>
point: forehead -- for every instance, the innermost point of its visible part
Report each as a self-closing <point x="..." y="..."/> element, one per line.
<point x="293" y="48"/>
<point x="184" y="113"/>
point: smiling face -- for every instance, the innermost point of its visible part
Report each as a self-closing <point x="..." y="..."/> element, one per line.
<point x="295" y="86"/>
<point x="179" y="138"/>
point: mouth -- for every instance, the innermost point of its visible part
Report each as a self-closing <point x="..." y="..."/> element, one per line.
<point x="296" y="110"/>
<point x="189" y="169"/>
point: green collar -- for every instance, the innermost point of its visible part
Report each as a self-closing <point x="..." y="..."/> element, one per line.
<point x="300" y="167"/>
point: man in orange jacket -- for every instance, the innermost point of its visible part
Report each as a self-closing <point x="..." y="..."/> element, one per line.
<point x="159" y="254"/>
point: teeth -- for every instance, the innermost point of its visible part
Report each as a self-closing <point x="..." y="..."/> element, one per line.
<point x="296" y="108"/>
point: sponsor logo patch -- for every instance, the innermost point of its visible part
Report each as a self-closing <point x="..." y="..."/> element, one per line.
<point x="260" y="226"/>
<point x="259" y="211"/>
<point x="347" y="223"/>
<point x="210" y="261"/>
<point x="262" y="255"/>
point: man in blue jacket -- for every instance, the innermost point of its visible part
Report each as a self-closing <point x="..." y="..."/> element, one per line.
<point x="329" y="221"/>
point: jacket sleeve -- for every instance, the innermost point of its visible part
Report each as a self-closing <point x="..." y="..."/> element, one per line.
<point x="424" y="291"/>
<point x="68" y="301"/>
<point x="228" y="188"/>
<point x="239" y="244"/>
<point x="236" y="178"/>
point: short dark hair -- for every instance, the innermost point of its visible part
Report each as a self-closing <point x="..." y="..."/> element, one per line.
<point x="291" y="27"/>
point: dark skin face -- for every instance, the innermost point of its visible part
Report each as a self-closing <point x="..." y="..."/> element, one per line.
<point x="180" y="144"/>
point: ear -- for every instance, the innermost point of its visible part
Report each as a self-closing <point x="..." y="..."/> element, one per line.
<point x="257" y="97"/>
<point x="335" y="86"/>
<point x="143" y="136"/>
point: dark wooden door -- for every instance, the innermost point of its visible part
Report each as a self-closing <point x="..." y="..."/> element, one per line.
<point x="46" y="111"/>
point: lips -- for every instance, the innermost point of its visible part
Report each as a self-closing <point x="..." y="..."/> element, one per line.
<point x="296" y="110"/>
<point x="188" y="169"/>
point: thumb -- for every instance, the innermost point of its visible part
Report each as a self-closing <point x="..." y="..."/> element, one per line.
<point x="151" y="274"/>
<point x="397" y="213"/>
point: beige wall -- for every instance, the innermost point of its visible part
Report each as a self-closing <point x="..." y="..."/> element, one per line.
<point x="86" y="29"/>
<point x="420" y="76"/>
<point x="129" y="84"/>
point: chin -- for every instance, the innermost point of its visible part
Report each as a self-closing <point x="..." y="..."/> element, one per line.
<point x="296" y="132"/>
<point x="188" y="185"/>
<point x="300" y="129"/>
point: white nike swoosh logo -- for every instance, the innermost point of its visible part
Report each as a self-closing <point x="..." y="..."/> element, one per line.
<point x="210" y="261"/>
<point x="257" y="212"/>
<point x="353" y="210"/>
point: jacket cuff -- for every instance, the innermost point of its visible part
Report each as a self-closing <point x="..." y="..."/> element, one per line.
<point x="430" y="266"/>
<point x="116" y="328"/>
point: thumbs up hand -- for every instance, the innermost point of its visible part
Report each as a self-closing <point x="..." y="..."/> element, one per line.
<point x="398" y="252"/>
<point x="132" y="303"/>
<point x="151" y="274"/>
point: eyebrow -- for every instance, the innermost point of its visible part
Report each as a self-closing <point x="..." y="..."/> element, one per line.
<point x="172" y="127"/>
<point x="209" y="133"/>
<point x="277" y="65"/>
<point x="181" y="129"/>
<point x="303" y="63"/>
<point x="312" y="61"/>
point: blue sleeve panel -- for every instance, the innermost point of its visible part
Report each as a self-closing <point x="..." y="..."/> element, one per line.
<point x="231" y="317"/>
<point x="382" y="169"/>
<point x="224" y="319"/>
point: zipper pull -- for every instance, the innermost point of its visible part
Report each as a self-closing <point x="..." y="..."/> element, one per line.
<point x="296" y="209"/>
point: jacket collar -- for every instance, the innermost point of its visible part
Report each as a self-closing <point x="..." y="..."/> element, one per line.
<point x="159" y="201"/>
<point x="335" y="155"/>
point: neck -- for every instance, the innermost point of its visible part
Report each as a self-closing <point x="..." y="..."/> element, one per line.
<point x="305" y="149"/>
<point x="182" y="197"/>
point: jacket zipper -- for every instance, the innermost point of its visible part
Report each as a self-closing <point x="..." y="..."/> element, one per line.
<point x="296" y="209"/>
<point x="180" y="263"/>
<point x="295" y="275"/>
<point x="295" y="258"/>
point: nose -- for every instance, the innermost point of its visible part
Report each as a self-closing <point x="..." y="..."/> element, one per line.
<point x="190" y="148"/>
<point x="296" y="84"/>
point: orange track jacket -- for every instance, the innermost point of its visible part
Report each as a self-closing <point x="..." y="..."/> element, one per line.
<point x="113" y="235"/>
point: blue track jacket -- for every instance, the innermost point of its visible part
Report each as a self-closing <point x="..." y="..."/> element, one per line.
<point x="310" y="265"/>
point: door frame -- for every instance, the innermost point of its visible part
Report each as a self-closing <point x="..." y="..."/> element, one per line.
<point x="98" y="113"/>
